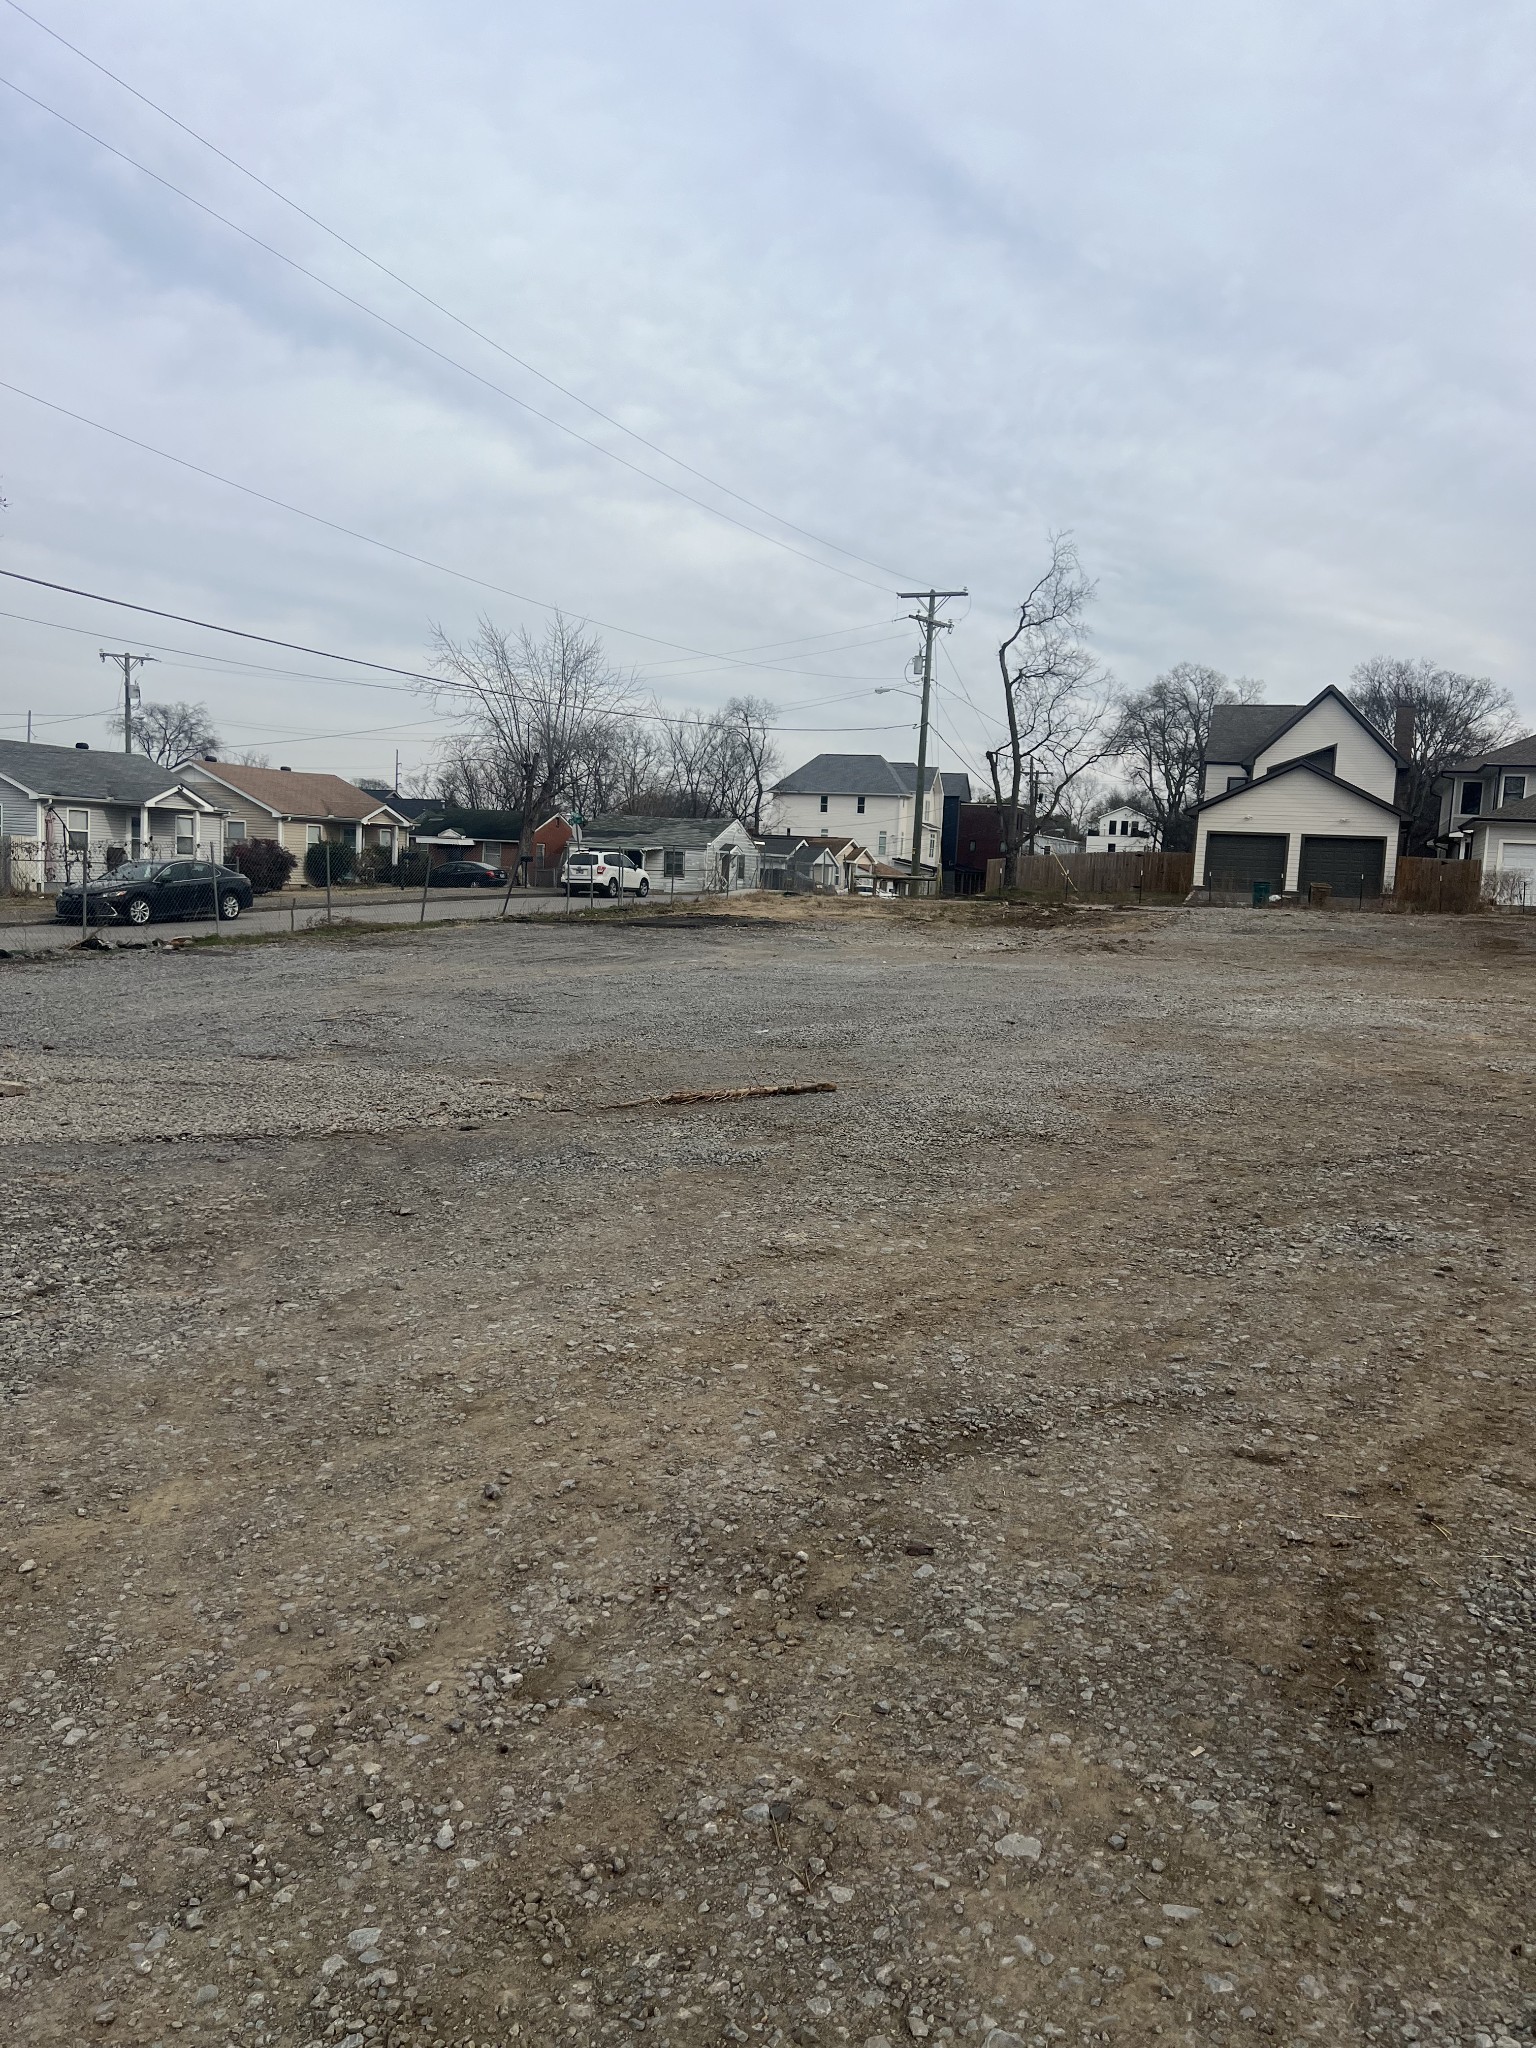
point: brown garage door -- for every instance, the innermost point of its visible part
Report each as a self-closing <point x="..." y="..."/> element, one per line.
<point x="1236" y="860"/>
<point x="1354" y="867"/>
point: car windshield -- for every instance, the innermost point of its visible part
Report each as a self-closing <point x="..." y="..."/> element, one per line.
<point x="137" y="871"/>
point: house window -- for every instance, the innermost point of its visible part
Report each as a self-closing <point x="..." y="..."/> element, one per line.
<point x="234" y="830"/>
<point x="186" y="835"/>
<point x="882" y="845"/>
<point x="1236" y="781"/>
<point x="1111" y="828"/>
<point x="1514" y="788"/>
<point x="823" y="805"/>
<point x="672" y="863"/>
<point x="311" y="835"/>
<point x="78" y="821"/>
<point x="861" y="807"/>
<point x="1471" y="798"/>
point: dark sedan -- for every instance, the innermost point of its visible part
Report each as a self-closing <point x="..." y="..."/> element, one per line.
<point x="467" y="874"/>
<point x="142" y="890"/>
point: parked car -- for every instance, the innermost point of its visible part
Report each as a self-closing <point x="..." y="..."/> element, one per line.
<point x="467" y="874"/>
<point x="587" y="868"/>
<point x="142" y="890"/>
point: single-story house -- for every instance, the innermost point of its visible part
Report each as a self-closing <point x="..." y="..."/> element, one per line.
<point x="298" y="810"/>
<point x="490" y="835"/>
<point x="1488" y="813"/>
<point x="827" y="862"/>
<point x="1296" y="794"/>
<point x="57" y="803"/>
<point x="701" y="853"/>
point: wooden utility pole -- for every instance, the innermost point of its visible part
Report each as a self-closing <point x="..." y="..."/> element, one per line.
<point x="130" y="689"/>
<point x="931" y="623"/>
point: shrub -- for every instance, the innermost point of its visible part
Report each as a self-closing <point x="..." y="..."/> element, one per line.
<point x="374" y="866"/>
<point x="343" y="859"/>
<point x="264" y="864"/>
<point x="410" y="872"/>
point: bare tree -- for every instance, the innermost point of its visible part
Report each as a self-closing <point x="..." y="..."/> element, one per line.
<point x="1160" y="738"/>
<point x="754" y="759"/>
<point x="1054" y="692"/>
<point x="172" y="732"/>
<point x="1453" y="716"/>
<point x="531" y="705"/>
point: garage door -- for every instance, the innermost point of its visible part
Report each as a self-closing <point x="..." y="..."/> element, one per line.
<point x="1517" y="871"/>
<point x="1236" y="860"/>
<point x="1353" y="866"/>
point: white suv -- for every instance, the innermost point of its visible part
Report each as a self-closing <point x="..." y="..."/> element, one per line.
<point x="587" y="868"/>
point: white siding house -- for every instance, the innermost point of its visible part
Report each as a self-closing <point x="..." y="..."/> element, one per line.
<point x="693" y="853"/>
<point x="863" y="796"/>
<point x="1488" y="813"/>
<point x="53" y="797"/>
<point x="1297" y="794"/>
<point x="1119" y="831"/>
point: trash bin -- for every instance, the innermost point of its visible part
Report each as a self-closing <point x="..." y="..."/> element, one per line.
<point x="1318" y="894"/>
<point x="1261" y="894"/>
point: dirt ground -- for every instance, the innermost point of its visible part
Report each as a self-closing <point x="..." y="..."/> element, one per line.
<point x="1036" y="1545"/>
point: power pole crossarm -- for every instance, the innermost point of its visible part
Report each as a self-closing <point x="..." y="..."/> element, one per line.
<point x="928" y="619"/>
<point x="130" y="689"/>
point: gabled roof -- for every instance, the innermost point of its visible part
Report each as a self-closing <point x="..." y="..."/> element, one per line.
<point x="953" y="783"/>
<point x="1348" y="703"/>
<point x="677" y="833"/>
<point x="1301" y="767"/>
<point x="1521" y="810"/>
<point x="1517" y="754"/>
<point x="854" y="775"/>
<point x="288" y="795"/>
<point x="1239" y="731"/>
<point x="89" y="775"/>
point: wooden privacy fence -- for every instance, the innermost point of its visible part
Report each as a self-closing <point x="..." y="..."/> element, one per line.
<point x="1102" y="874"/>
<point x="1438" y="884"/>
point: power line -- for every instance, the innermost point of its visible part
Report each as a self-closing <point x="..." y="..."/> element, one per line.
<point x="438" y="307"/>
<point x="369" y="540"/>
<point x="419" y="341"/>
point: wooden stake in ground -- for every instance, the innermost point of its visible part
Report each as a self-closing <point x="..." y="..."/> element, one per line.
<point x="696" y="1095"/>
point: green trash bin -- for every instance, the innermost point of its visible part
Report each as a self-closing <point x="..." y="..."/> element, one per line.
<point x="1260" y="894"/>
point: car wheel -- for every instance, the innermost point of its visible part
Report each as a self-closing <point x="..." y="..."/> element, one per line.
<point x="644" y="890"/>
<point x="229" y="906"/>
<point x="139" y="910"/>
<point x="613" y="886"/>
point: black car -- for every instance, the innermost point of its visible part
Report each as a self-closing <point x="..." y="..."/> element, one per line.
<point x="141" y="890"/>
<point x="467" y="874"/>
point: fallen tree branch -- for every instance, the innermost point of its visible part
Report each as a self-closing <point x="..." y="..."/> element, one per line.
<point x="692" y="1095"/>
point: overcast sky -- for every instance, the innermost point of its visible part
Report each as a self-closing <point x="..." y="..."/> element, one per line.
<point x="1241" y="294"/>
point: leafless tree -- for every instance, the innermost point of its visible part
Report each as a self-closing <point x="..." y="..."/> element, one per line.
<point x="1054" y="692"/>
<point x="1453" y="716"/>
<point x="531" y="705"/>
<point x="620" y="765"/>
<point x="251" y="757"/>
<point x="1160" y="738"/>
<point x="748" y="725"/>
<point x="169" y="733"/>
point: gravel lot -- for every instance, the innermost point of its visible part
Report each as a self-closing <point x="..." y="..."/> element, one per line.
<point x="1036" y="1545"/>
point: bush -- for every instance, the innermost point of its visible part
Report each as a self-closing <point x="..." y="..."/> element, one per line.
<point x="410" y="872"/>
<point x="264" y="864"/>
<point x="374" y="866"/>
<point x="343" y="859"/>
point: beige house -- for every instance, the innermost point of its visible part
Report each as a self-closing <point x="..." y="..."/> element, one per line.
<point x="297" y="810"/>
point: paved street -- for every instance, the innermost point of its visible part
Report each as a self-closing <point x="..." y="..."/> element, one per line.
<point x="41" y="936"/>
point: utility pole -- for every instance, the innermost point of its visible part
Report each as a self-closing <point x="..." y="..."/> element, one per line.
<point x="130" y="689"/>
<point x="931" y="623"/>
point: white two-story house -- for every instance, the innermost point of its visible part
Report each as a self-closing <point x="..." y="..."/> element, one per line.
<point x="1295" y="794"/>
<point x="1122" y="830"/>
<point x="863" y="796"/>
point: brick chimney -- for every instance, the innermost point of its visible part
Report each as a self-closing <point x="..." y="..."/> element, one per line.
<point x="1402" y="731"/>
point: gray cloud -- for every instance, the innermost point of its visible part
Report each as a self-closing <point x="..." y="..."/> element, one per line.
<point x="1240" y="295"/>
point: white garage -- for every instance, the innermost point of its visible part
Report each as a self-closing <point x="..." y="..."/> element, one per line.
<point x="1296" y="825"/>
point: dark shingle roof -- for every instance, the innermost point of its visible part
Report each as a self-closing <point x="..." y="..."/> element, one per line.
<point x="1520" y="810"/>
<point x="955" y="784"/>
<point x="99" y="777"/>
<point x="1518" y="754"/>
<point x="681" y="833"/>
<point x="1238" y="731"/>
<point x="853" y="775"/>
